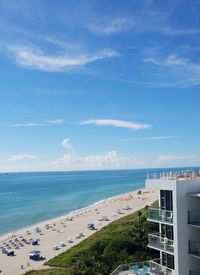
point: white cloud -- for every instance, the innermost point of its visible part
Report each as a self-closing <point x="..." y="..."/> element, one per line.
<point x="56" y="121"/>
<point x="71" y="161"/>
<point x="28" y="124"/>
<point x="117" y="123"/>
<point x="53" y="122"/>
<point x="170" y="60"/>
<point x="141" y="22"/>
<point x="168" y="30"/>
<point x="115" y="25"/>
<point x="174" y="71"/>
<point x="24" y="157"/>
<point x="177" y="160"/>
<point x="28" y="57"/>
<point x="110" y="160"/>
<point x="149" y="138"/>
<point x="66" y="144"/>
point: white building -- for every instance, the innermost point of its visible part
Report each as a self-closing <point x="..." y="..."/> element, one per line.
<point x="178" y="216"/>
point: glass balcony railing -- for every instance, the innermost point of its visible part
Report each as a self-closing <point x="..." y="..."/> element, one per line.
<point x="194" y="273"/>
<point x="156" y="267"/>
<point x="137" y="267"/>
<point x="194" y="248"/>
<point x="157" y="214"/>
<point x="194" y="218"/>
<point x="161" y="243"/>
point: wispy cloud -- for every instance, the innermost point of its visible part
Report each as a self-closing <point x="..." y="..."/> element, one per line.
<point x="32" y="124"/>
<point x="28" y="125"/>
<point x="117" y="123"/>
<point x="15" y="158"/>
<point x="174" y="70"/>
<point x="28" y="57"/>
<point x="170" y="60"/>
<point x="149" y="138"/>
<point x="115" y="25"/>
<point x="66" y="144"/>
<point x="56" y="121"/>
<point x="177" y="160"/>
<point x="172" y="31"/>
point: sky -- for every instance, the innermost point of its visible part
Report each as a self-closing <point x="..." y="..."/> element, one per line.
<point x="94" y="84"/>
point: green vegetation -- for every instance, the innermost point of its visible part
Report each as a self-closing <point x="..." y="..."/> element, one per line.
<point x="122" y="241"/>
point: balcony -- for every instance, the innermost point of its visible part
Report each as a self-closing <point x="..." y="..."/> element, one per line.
<point x="161" y="243"/>
<point x="194" y="249"/>
<point x="157" y="268"/>
<point x="152" y="267"/>
<point x="129" y="269"/>
<point x="159" y="215"/>
<point x="194" y="218"/>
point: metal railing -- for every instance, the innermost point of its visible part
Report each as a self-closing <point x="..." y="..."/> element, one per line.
<point x="129" y="267"/>
<point x="157" y="214"/>
<point x="174" y="175"/>
<point x="194" y="248"/>
<point x="158" y="242"/>
<point x="156" y="267"/>
<point x="194" y="218"/>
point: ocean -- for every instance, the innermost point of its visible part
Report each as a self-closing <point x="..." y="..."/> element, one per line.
<point x="30" y="198"/>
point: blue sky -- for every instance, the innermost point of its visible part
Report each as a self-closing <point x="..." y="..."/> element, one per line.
<point x="99" y="84"/>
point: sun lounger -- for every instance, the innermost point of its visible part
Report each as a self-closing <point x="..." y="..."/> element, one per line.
<point x="56" y="247"/>
<point x="10" y="253"/>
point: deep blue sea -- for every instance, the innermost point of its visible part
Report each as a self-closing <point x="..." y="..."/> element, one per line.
<point x="29" y="198"/>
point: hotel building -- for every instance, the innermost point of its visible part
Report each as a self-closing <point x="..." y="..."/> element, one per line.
<point x="178" y="217"/>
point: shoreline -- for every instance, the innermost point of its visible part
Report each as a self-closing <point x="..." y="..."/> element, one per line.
<point x="28" y="227"/>
<point x="71" y="213"/>
<point x="67" y="227"/>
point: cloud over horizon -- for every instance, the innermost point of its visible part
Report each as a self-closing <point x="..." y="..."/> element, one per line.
<point x="177" y="160"/>
<point x="23" y="157"/>
<point x="107" y="161"/>
<point x="110" y="160"/>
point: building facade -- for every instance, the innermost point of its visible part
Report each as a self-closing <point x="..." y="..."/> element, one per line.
<point x="178" y="216"/>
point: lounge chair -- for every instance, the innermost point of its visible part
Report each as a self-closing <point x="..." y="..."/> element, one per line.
<point x="136" y="269"/>
<point x="144" y="270"/>
<point x="56" y="247"/>
<point x="10" y="253"/>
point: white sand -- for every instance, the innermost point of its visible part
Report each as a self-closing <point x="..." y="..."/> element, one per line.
<point x="62" y="229"/>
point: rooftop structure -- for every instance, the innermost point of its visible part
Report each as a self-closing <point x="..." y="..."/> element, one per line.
<point x="174" y="175"/>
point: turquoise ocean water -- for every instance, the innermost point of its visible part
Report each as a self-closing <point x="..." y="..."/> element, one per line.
<point x="29" y="198"/>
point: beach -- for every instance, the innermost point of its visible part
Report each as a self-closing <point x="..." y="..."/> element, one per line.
<point x="57" y="235"/>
